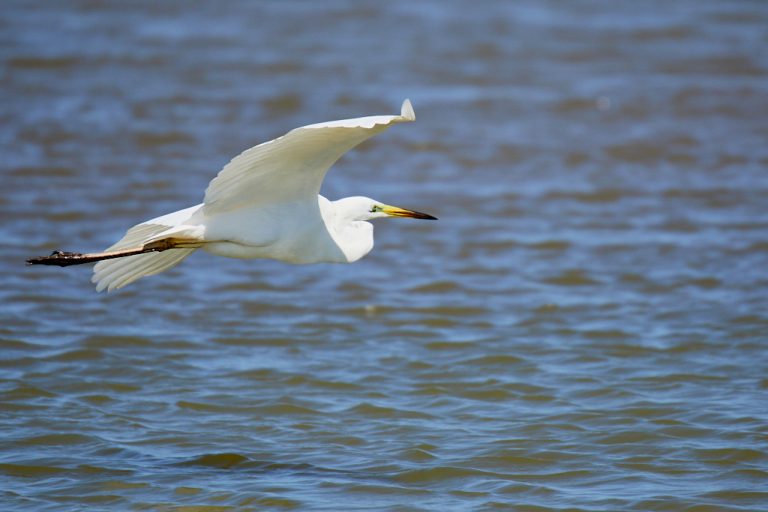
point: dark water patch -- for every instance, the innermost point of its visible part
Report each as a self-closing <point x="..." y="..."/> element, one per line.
<point x="649" y="411"/>
<point x="538" y="398"/>
<point x="557" y="476"/>
<point x="42" y="63"/>
<point x="688" y="346"/>
<point x="492" y="390"/>
<point x="10" y="345"/>
<point x="547" y="309"/>
<point x="449" y="345"/>
<point x="273" y="409"/>
<point x="43" y="172"/>
<point x="667" y="503"/>
<point x="314" y="383"/>
<point x="417" y="455"/>
<point x="631" y="437"/>
<point x="683" y="431"/>
<point x="636" y="152"/>
<point x="730" y="456"/>
<point x="67" y="216"/>
<point x="78" y="355"/>
<point x="324" y="326"/>
<point x="260" y="374"/>
<point x="101" y="384"/>
<point x="149" y="139"/>
<point x="187" y="491"/>
<point x="369" y="410"/>
<point x="27" y="392"/>
<point x="346" y="440"/>
<point x="16" y="362"/>
<point x="520" y="489"/>
<point x="262" y="309"/>
<point x="106" y="341"/>
<point x="510" y="459"/>
<point x="575" y="159"/>
<point x="30" y="471"/>
<point x="749" y="497"/>
<point x="285" y="409"/>
<point x="430" y="146"/>
<point x="703" y="282"/>
<point x="89" y="499"/>
<point x="572" y="105"/>
<point x="50" y="470"/>
<point x="273" y="502"/>
<point x="710" y="197"/>
<point x="492" y="247"/>
<point x="653" y="465"/>
<point x="607" y="195"/>
<point x="379" y="489"/>
<point x="470" y="494"/>
<point x="730" y="65"/>
<point x="756" y="320"/>
<point x="550" y="245"/>
<point x="443" y="474"/>
<point x="634" y="278"/>
<point x="627" y="350"/>
<point x="681" y="378"/>
<point x="122" y="484"/>
<point x="679" y="225"/>
<point x="97" y="399"/>
<point x="490" y="395"/>
<point x="604" y="393"/>
<point x="458" y="311"/>
<point x="215" y="408"/>
<point x="495" y="360"/>
<point x="607" y="334"/>
<point x="572" y="277"/>
<point x="437" y="323"/>
<point x="217" y="460"/>
<point x="56" y="440"/>
<point x="256" y="341"/>
<point x="757" y="247"/>
<point x="401" y="334"/>
<point x="437" y="287"/>
<point x="758" y="475"/>
<point x="675" y="32"/>
<point x="282" y="104"/>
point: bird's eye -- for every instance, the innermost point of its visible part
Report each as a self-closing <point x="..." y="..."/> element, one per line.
<point x="375" y="208"/>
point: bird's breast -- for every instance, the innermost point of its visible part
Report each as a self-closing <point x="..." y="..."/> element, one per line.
<point x="293" y="239"/>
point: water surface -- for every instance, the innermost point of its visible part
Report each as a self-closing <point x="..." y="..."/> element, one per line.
<point x="585" y="328"/>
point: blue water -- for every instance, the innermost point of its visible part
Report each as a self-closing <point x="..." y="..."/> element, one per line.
<point x="585" y="328"/>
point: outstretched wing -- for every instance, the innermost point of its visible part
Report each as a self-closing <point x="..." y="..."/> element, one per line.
<point x="291" y="168"/>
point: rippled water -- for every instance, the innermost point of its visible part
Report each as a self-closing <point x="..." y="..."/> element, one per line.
<point x="584" y="329"/>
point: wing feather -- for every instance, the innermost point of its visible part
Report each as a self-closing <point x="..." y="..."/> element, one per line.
<point x="291" y="168"/>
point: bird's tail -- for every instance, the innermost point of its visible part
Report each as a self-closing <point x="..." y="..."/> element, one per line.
<point x="146" y="249"/>
<point x="180" y="240"/>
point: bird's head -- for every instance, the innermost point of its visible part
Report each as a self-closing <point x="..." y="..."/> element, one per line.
<point x="365" y="208"/>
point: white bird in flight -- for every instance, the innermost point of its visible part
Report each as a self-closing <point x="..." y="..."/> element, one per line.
<point x="265" y="203"/>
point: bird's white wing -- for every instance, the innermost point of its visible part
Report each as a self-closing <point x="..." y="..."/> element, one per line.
<point x="291" y="168"/>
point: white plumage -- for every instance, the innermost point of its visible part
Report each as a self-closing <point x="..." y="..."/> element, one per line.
<point x="265" y="203"/>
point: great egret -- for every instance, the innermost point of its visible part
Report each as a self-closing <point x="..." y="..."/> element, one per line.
<point x="265" y="203"/>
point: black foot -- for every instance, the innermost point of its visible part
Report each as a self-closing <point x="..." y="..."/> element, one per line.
<point x="58" y="258"/>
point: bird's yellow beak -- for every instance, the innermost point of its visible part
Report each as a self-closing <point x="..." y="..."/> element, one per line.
<point x="394" y="211"/>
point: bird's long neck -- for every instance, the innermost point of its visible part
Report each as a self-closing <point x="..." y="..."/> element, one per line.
<point x="356" y="239"/>
<point x="353" y="237"/>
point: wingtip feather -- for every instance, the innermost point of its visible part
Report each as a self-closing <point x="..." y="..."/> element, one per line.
<point x="407" y="112"/>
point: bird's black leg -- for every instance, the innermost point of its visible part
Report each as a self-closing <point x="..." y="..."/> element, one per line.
<point x="65" y="259"/>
